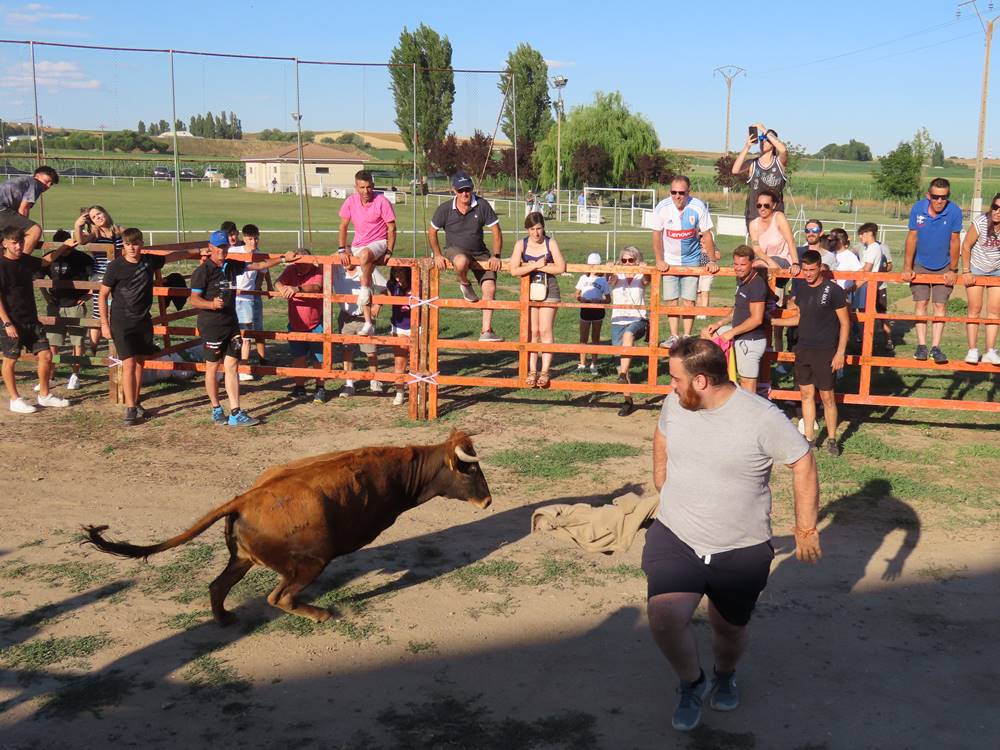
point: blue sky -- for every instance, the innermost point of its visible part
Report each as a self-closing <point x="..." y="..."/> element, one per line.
<point x="875" y="71"/>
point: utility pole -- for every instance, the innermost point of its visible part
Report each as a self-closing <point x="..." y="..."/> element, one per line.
<point x="560" y="83"/>
<point x="101" y="126"/>
<point x="729" y="72"/>
<point x="977" y="186"/>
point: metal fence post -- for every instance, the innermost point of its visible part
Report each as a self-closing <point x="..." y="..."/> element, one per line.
<point x="173" y="119"/>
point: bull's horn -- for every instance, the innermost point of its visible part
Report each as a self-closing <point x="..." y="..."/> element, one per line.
<point x="469" y="459"/>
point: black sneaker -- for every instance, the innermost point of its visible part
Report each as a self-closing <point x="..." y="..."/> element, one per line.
<point x="623" y="378"/>
<point x="938" y="356"/>
<point x="320" y="396"/>
<point x="687" y="715"/>
<point x="627" y="408"/>
<point x="130" y="416"/>
<point x="140" y="412"/>
<point x="299" y="392"/>
<point x="921" y="353"/>
<point x="725" y="696"/>
<point x="832" y="447"/>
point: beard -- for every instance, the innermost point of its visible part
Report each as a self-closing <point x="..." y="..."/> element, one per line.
<point x="690" y="400"/>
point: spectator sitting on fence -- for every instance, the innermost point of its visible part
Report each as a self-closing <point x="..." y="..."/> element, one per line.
<point x="932" y="247"/>
<point x="18" y="195"/>
<point x="94" y="226"/>
<point x="824" y="324"/>
<point x="462" y="220"/>
<point x="766" y="172"/>
<point x="373" y="241"/>
<point x="19" y="315"/>
<point x="213" y="294"/>
<point x="68" y="303"/>
<point x="746" y="325"/>
<point x="628" y="325"/>
<point x="538" y="257"/>
<point x="399" y="286"/>
<point x="129" y="282"/>
<point x="350" y="321"/>
<point x="305" y="315"/>
<point x="873" y="259"/>
<point x="981" y="254"/>
<point x="250" y="307"/>
<point x="592" y="288"/>
<point x="681" y="227"/>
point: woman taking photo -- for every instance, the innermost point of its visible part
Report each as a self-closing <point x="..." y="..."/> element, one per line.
<point x="95" y="227"/>
<point x="538" y="256"/>
<point x="980" y="256"/>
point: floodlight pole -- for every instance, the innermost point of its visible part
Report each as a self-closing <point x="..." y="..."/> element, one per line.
<point x="297" y="116"/>
<point x="729" y="72"/>
<point x="560" y="83"/>
<point x="977" y="185"/>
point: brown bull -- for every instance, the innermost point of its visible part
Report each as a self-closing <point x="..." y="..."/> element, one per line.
<point x="299" y="516"/>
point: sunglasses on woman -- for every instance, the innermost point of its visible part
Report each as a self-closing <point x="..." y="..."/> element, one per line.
<point x="765" y="205"/>
<point x="628" y="260"/>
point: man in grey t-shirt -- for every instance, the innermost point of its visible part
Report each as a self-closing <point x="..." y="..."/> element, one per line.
<point x="17" y="196"/>
<point x="713" y="450"/>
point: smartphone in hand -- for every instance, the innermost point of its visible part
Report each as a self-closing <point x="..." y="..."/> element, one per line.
<point x="753" y="132"/>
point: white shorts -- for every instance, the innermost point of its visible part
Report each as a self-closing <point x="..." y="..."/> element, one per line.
<point x="394" y="331"/>
<point x="705" y="283"/>
<point x="377" y="248"/>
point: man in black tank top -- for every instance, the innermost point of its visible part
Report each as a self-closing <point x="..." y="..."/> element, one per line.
<point x="766" y="171"/>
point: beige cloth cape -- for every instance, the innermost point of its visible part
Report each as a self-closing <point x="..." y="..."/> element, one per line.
<point x="607" y="528"/>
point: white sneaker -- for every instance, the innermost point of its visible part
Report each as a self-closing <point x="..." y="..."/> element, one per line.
<point x="73" y="383"/>
<point x="593" y="368"/>
<point x="52" y="401"/>
<point x="399" y="399"/>
<point x="992" y="357"/>
<point x="972" y="357"/>
<point x="367" y="329"/>
<point x="20" y="406"/>
<point x="365" y="297"/>
<point x="376" y="386"/>
<point x="468" y="293"/>
<point x="245" y="376"/>
<point x="581" y="367"/>
<point x="701" y="317"/>
<point x="802" y="427"/>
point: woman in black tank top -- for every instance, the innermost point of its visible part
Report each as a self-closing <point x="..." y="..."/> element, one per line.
<point x="538" y="255"/>
<point x="766" y="171"/>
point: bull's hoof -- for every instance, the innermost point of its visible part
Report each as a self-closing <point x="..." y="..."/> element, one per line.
<point x="226" y="618"/>
<point x="322" y="615"/>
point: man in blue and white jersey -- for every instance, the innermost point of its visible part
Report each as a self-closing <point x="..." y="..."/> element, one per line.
<point x="681" y="227"/>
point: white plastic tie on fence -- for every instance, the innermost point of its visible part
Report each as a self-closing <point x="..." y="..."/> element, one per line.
<point x="418" y="302"/>
<point x="115" y="362"/>
<point x="417" y="378"/>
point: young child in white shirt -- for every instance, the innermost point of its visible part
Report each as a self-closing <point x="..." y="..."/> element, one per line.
<point x="592" y="288"/>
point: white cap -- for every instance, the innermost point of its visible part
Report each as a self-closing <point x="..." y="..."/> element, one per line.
<point x="594" y="259"/>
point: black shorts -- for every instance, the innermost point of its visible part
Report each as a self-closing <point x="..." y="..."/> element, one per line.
<point x="731" y="580"/>
<point x="812" y="367"/>
<point x="134" y="339"/>
<point x="11" y="218"/>
<point x="29" y="338"/>
<point x="218" y="346"/>
<point x="591" y="314"/>
<point x="882" y="301"/>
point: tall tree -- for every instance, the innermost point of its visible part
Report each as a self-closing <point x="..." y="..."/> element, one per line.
<point x="608" y="123"/>
<point x="937" y="155"/>
<point x="211" y="128"/>
<point x="435" y="92"/>
<point x="921" y="146"/>
<point x="141" y="128"/>
<point x="591" y="163"/>
<point x="897" y="174"/>
<point x="531" y="89"/>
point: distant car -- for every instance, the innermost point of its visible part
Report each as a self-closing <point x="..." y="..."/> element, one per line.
<point x="212" y="173"/>
<point x="188" y="174"/>
<point x="79" y="172"/>
<point x="162" y="173"/>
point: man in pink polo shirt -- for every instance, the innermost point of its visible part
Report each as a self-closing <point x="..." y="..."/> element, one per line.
<point x="374" y="237"/>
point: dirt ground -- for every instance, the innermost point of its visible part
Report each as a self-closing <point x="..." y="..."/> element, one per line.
<point x="458" y="628"/>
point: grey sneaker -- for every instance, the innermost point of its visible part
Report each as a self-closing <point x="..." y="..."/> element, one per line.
<point x="319" y="397"/>
<point x="669" y="342"/>
<point x="833" y="447"/>
<point x="938" y="356"/>
<point x="130" y="416"/>
<point x="725" y="696"/>
<point x="490" y="336"/>
<point x="921" y="352"/>
<point x="687" y="715"/>
<point x="347" y="391"/>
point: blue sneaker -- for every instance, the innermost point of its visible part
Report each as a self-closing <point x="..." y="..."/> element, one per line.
<point x="218" y="415"/>
<point x="687" y="715"/>
<point x="725" y="696"/>
<point x="242" y="419"/>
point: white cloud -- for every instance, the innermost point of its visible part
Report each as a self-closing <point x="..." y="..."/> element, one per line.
<point x="560" y="63"/>
<point x="52" y="76"/>
<point x="37" y="12"/>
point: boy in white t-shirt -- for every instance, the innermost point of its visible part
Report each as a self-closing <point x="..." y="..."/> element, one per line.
<point x="593" y="288"/>
<point x="877" y="258"/>
<point x="249" y="307"/>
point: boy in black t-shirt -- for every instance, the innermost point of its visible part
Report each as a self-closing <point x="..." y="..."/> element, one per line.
<point x="129" y="280"/>
<point x="68" y="303"/>
<point x="213" y="294"/>
<point x="19" y="315"/>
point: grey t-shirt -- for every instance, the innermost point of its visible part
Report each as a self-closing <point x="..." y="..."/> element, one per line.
<point x="465" y="230"/>
<point x="717" y="496"/>
<point x="16" y="191"/>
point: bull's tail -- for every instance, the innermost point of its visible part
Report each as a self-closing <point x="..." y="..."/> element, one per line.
<point x="124" y="549"/>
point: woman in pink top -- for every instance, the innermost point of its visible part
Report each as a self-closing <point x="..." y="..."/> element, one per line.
<point x="774" y="246"/>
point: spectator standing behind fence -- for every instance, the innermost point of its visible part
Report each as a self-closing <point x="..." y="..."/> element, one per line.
<point x="592" y="288"/>
<point x="305" y="315"/>
<point x="682" y="227"/>
<point x="748" y="329"/>
<point x="713" y="450"/>
<point x="69" y="303"/>
<point x="17" y="197"/>
<point x="824" y="325"/>
<point x="129" y="283"/>
<point x="538" y="257"/>
<point x="400" y="280"/>
<point x="19" y="315"/>
<point x="374" y="238"/>
<point x="873" y="260"/>
<point x="932" y="246"/>
<point x="981" y="254"/>
<point x="213" y="294"/>
<point x="463" y="220"/>
<point x="250" y="307"/>
<point x="350" y="321"/>
<point x="767" y="171"/>
<point x="95" y="226"/>
<point x="628" y="324"/>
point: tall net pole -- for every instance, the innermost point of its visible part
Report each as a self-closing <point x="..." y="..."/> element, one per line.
<point x="517" y="191"/>
<point x="38" y="129"/>
<point x="177" y="172"/>
<point x="729" y="72"/>
<point x="413" y="140"/>
<point x="302" y="169"/>
<point x="977" y="185"/>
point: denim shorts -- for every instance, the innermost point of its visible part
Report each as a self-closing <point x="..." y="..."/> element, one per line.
<point x="636" y="327"/>
<point x="250" y="312"/>
<point x="307" y="348"/>
<point x="980" y="272"/>
<point x="685" y="287"/>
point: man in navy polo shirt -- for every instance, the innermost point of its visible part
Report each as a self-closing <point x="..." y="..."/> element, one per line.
<point x="462" y="220"/>
<point x="932" y="247"/>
